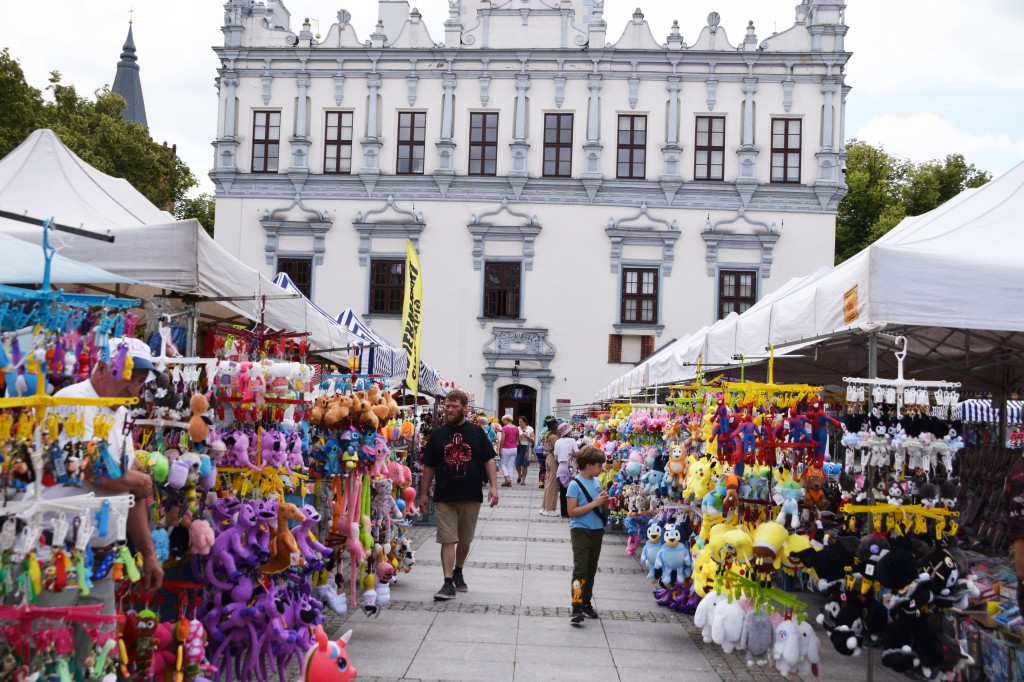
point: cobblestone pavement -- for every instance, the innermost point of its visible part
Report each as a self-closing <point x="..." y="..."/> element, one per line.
<point x="513" y="623"/>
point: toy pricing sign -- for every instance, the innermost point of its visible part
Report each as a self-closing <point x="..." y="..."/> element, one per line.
<point x="850" y="305"/>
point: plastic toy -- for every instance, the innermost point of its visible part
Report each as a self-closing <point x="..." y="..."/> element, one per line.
<point x="328" y="661"/>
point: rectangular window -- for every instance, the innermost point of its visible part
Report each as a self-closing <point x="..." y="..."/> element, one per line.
<point x="338" y="142"/>
<point x="737" y="292"/>
<point x="483" y="144"/>
<point x="412" y="129"/>
<point x="639" y="296"/>
<point x="632" y="159"/>
<point x="301" y="272"/>
<point x="501" y="290"/>
<point x="387" y="286"/>
<point x="557" y="145"/>
<point x="709" y="148"/>
<point x="786" y="150"/>
<point x="266" y="141"/>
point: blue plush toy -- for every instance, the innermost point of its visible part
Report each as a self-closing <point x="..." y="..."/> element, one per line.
<point x="161" y="544"/>
<point x="674" y="558"/>
<point x="649" y="554"/>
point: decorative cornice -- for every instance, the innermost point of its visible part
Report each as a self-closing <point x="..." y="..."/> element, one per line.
<point x="765" y="243"/>
<point x="525" y="234"/>
<point x="775" y="197"/>
<point x="640" y="236"/>
<point x="294" y="228"/>
<point x="515" y="343"/>
<point x="407" y="229"/>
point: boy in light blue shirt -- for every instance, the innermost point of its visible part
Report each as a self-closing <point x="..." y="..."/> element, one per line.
<point x="587" y="506"/>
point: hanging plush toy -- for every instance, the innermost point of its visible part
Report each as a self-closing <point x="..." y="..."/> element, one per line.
<point x="199" y="423"/>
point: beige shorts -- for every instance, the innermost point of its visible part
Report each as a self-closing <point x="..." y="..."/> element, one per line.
<point x="456" y="521"/>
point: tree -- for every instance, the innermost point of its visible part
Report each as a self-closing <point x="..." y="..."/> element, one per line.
<point x="21" y="105"/>
<point x="93" y="129"/>
<point x="884" y="189"/>
<point x="200" y="208"/>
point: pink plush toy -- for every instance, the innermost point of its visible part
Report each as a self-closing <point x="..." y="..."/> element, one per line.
<point x="380" y="457"/>
<point x="200" y="537"/>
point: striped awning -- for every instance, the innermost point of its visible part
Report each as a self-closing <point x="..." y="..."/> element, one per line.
<point x="983" y="411"/>
<point x="380" y="358"/>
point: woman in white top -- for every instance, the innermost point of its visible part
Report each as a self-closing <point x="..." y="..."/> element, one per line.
<point x="565" y="448"/>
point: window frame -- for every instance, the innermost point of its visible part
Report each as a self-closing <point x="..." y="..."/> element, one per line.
<point x="638" y="297"/>
<point x="503" y="264"/>
<point x="710" y="148"/>
<point x="295" y="260"/>
<point x="632" y="147"/>
<point x="339" y="143"/>
<point x="737" y="299"/>
<point x="388" y="288"/>
<point x="411" y="144"/>
<point x="266" y="142"/>
<point x="483" y="145"/>
<point x="786" y="151"/>
<point x="559" y="145"/>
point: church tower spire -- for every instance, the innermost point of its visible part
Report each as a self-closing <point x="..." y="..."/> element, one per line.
<point x="127" y="83"/>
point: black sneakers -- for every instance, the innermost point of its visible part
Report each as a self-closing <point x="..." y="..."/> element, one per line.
<point x="577" y="615"/>
<point x="446" y="592"/>
<point x="460" y="582"/>
<point x="589" y="611"/>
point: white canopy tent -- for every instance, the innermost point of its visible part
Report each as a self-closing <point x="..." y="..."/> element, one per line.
<point x="24" y="263"/>
<point x="951" y="280"/>
<point x="42" y="178"/>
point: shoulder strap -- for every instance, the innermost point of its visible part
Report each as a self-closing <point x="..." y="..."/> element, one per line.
<point x="600" y="511"/>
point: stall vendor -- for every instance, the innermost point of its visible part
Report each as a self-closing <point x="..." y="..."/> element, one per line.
<point x="101" y="384"/>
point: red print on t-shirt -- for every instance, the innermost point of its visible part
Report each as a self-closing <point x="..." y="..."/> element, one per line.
<point x="456" y="457"/>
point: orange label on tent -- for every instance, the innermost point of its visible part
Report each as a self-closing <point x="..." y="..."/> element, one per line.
<point x="850" y="305"/>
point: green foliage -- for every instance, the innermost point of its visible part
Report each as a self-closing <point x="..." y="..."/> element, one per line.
<point x="884" y="189"/>
<point x="93" y="129"/>
<point x="200" y="207"/>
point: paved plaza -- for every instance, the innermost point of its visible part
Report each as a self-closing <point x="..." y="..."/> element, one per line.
<point x="513" y="624"/>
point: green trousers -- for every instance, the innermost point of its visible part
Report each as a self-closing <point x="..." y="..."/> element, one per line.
<point x="586" y="550"/>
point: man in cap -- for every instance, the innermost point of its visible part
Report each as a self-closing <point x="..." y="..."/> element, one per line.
<point x="102" y="383"/>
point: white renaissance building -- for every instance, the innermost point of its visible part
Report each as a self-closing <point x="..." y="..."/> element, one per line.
<point x="579" y="194"/>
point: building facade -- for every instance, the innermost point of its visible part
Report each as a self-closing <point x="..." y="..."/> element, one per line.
<point x="578" y="195"/>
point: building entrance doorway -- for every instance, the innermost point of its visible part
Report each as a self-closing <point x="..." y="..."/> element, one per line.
<point x="519" y="401"/>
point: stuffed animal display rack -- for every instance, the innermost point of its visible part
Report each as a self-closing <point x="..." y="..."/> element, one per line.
<point x="731" y="487"/>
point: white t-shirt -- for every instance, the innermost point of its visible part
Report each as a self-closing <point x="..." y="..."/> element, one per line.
<point x="565" y="448"/>
<point x="121" y="447"/>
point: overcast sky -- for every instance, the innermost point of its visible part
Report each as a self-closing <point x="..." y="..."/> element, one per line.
<point x="929" y="77"/>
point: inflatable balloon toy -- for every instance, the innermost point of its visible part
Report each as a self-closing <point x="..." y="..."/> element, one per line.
<point x="328" y="661"/>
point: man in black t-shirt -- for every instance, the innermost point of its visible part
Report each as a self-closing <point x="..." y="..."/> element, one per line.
<point x="457" y="457"/>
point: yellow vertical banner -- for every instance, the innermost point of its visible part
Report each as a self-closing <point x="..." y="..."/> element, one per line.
<point x="412" y="310"/>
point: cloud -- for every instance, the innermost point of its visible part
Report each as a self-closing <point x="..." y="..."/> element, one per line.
<point x="925" y="136"/>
